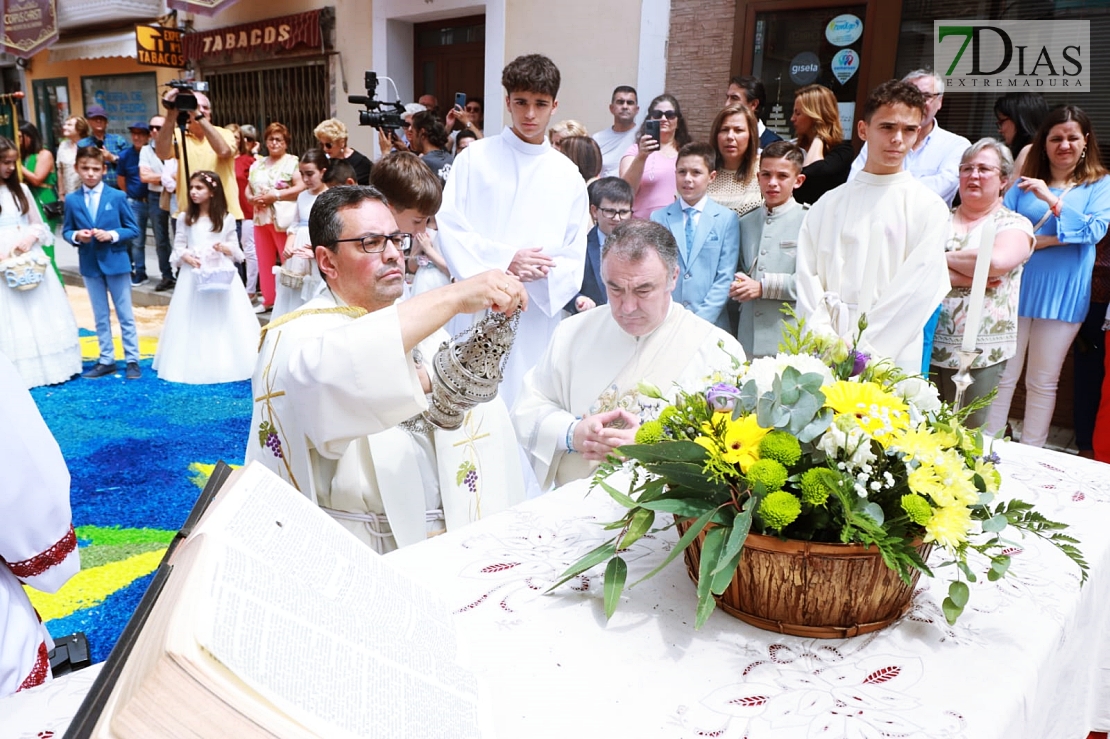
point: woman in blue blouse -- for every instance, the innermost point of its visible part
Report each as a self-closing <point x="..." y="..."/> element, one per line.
<point x="1065" y="192"/>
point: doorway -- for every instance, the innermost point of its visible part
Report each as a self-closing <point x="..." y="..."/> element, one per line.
<point x="448" y="58"/>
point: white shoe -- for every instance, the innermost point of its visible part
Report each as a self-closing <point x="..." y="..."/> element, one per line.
<point x="259" y="308"/>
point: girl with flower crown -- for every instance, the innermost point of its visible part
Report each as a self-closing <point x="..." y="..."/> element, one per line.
<point x="211" y="333"/>
<point x="37" y="331"/>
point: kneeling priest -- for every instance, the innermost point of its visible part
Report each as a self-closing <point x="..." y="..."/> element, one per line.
<point x="582" y="400"/>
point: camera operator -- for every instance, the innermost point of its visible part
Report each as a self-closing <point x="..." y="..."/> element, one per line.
<point x="207" y="147"/>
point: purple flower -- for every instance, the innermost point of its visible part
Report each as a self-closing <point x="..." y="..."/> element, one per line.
<point x="722" y="397"/>
<point x="859" y="362"/>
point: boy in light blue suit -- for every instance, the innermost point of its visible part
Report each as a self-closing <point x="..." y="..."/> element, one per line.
<point x="99" y="222"/>
<point x="708" y="236"/>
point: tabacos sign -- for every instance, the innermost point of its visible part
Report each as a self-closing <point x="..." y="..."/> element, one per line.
<point x="1007" y="56"/>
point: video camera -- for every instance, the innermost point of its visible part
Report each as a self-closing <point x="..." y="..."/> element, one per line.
<point x="378" y="114"/>
<point x="185" y="101"/>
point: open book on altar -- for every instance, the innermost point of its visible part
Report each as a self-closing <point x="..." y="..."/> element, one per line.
<point x="273" y="621"/>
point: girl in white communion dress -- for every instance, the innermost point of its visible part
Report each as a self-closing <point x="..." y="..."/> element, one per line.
<point x="211" y="332"/>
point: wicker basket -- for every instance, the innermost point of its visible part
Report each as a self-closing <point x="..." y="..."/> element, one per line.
<point x="290" y="280"/>
<point x="24" y="272"/>
<point x="811" y="589"/>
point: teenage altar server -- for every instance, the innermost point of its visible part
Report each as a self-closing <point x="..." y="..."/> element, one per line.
<point x="37" y="545"/>
<point x="337" y="381"/>
<point x="513" y="203"/>
<point x="582" y="400"/>
<point x="876" y="244"/>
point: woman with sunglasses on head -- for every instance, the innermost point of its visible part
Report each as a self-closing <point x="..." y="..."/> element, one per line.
<point x="819" y="134"/>
<point x="332" y="135"/>
<point x="1018" y="115"/>
<point x="649" y="165"/>
<point x="1065" y="192"/>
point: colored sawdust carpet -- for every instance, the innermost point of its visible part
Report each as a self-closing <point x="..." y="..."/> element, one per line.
<point x="139" y="453"/>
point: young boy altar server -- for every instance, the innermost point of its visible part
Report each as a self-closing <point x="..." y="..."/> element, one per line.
<point x="708" y="236"/>
<point x="513" y="203"/>
<point x="769" y="251"/>
<point x="99" y="222"/>
<point x="876" y="244"/>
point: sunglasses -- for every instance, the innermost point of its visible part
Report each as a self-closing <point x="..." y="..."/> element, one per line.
<point x="155" y="128"/>
<point x="328" y="144"/>
<point x="670" y="115"/>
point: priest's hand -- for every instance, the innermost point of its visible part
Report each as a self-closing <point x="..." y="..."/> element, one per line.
<point x="496" y="290"/>
<point x="596" y="436"/>
<point x="531" y="264"/>
<point x="744" y="288"/>
<point x="583" y="303"/>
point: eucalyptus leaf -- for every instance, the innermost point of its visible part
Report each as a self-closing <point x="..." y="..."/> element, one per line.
<point x="959" y="592"/>
<point x="616" y="572"/>
<point x="668" y="451"/>
<point x="968" y="572"/>
<point x="679" y="507"/>
<point x="875" y="512"/>
<point x="591" y="558"/>
<point x="995" y="523"/>
<point x="737" y="535"/>
<point x="622" y="498"/>
<point x="691" y="533"/>
<point x="951" y="611"/>
<point x="819" y="425"/>
<point x="710" y="556"/>
<point x="641" y="523"/>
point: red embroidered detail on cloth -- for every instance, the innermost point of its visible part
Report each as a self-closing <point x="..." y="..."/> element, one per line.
<point x="39" y="671"/>
<point x="52" y="557"/>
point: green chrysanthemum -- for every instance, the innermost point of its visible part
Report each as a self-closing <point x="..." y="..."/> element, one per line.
<point x="769" y="472"/>
<point x="781" y="447"/>
<point x="779" y="509"/>
<point x="650" y="432"/>
<point x="814" y="490"/>
<point x="917" y="508"/>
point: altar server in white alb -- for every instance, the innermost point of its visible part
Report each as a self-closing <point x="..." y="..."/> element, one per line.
<point x="339" y="382"/>
<point x="513" y="203"/>
<point x="875" y="245"/>
<point x="37" y="545"/>
<point x="582" y="399"/>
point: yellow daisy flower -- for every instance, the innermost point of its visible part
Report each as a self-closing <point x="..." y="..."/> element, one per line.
<point x="949" y="526"/>
<point x="882" y="415"/>
<point x="741" y="439"/>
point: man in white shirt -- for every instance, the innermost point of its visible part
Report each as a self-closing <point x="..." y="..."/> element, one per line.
<point x="150" y="172"/>
<point x="875" y="246"/>
<point x="615" y="140"/>
<point x="935" y="159"/>
<point x="513" y="203"/>
<point x="582" y="399"/>
<point x="340" y="385"/>
<point x="750" y="91"/>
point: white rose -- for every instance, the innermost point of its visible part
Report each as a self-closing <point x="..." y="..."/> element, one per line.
<point x="920" y="393"/>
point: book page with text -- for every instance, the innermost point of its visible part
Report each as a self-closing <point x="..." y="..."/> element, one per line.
<point x="318" y="623"/>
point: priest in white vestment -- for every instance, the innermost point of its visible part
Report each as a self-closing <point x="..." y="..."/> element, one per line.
<point x="340" y="385"/>
<point x="513" y="203"/>
<point x="876" y="244"/>
<point x="582" y="399"/>
<point x="37" y="545"/>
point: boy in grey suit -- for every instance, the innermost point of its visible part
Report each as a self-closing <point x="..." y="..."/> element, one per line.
<point x="768" y="250"/>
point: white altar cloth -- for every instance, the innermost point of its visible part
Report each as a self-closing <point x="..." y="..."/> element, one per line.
<point x="1030" y="658"/>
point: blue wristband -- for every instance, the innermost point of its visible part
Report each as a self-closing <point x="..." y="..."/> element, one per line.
<point x="570" y="436"/>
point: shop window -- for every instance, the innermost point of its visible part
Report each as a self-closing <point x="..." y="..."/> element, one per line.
<point x="296" y="96"/>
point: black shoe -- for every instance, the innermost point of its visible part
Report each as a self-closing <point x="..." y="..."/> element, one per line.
<point x="133" y="371"/>
<point x="100" y="370"/>
<point x="139" y="280"/>
<point x="167" y="283"/>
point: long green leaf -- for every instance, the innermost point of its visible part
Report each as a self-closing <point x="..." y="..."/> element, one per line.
<point x="682" y="508"/>
<point x="618" y="496"/>
<point x="710" y="555"/>
<point x="593" y="557"/>
<point x="641" y="523"/>
<point x="667" y="451"/>
<point x="616" y="572"/>
<point x="691" y="534"/>
<point x="741" y="524"/>
<point x="688" y="475"/>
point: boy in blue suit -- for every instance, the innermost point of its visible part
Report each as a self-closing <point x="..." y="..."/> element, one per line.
<point x="100" y="224"/>
<point x="708" y="236"/>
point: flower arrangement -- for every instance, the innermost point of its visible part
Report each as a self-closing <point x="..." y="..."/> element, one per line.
<point x="819" y="443"/>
